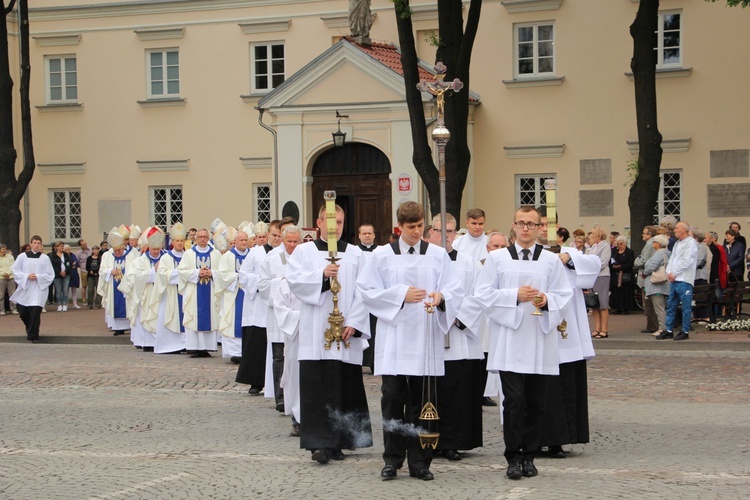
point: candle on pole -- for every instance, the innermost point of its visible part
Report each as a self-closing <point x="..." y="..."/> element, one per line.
<point x="330" y="198"/>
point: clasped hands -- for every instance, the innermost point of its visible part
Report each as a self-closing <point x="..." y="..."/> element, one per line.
<point x="528" y="293"/>
<point x="414" y="294"/>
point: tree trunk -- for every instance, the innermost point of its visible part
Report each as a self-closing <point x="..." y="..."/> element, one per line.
<point x="12" y="189"/>
<point x="422" y="154"/>
<point x="455" y="53"/>
<point x="456" y="45"/>
<point x="644" y="192"/>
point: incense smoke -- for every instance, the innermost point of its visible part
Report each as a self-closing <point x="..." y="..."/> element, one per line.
<point x="356" y="424"/>
<point x="399" y="427"/>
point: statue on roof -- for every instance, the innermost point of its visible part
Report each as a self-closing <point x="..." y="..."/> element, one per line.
<point x="360" y="20"/>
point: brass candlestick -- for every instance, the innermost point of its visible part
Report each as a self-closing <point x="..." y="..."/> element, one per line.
<point x="335" y="331"/>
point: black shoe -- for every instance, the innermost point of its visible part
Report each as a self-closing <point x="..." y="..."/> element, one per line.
<point x="336" y="454"/>
<point x="148" y="348"/>
<point x="320" y="456"/>
<point x="514" y="470"/>
<point x="488" y="401"/>
<point x="556" y="452"/>
<point x="666" y="334"/>
<point x="295" y="431"/>
<point x="388" y="472"/>
<point x="452" y="455"/>
<point x="647" y="331"/>
<point x="254" y="391"/>
<point x="236" y="360"/>
<point x="118" y="332"/>
<point x="529" y="470"/>
<point x="280" y="407"/>
<point x="34" y="341"/>
<point x="423" y="474"/>
<point x="682" y="336"/>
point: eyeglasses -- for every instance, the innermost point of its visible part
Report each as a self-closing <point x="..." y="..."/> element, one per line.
<point x="529" y="225"/>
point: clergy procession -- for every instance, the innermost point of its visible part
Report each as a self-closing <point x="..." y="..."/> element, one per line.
<point x="448" y="322"/>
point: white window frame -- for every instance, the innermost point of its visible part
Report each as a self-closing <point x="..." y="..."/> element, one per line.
<point x="260" y="212"/>
<point x="660" y="48"/>
<point x="254" y="89"/>
<point x="535" y="46"/>
<point x="537" y="191"/>
<point x="72" y="233"/>
<point x="64" y="73"/>
<point x="172" y="217"/>
<point x="165" y="77"/>
<point x="660" y="213"/>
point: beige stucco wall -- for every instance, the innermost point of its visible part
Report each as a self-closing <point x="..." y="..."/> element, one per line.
<point x="591" y="113"/>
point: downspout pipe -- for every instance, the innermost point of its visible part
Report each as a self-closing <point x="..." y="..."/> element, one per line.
<point x="275" y="162"/>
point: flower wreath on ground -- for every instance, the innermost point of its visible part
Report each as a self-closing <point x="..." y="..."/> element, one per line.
<point x="730" y="325"/>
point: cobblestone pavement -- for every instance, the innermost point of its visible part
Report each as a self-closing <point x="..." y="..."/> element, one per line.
<point x="112" y="422"/>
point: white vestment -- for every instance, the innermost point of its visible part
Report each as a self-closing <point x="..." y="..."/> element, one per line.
<point x="466" y="343"/>
<point x="227" y="285"/>
<point x="107" y="284"/>
<point x="199" y="337"/>
<point x="409" y="340"/>
<point x="286" y="310"/>
<point x="476" y="248"/>
<point x="304" y="273"/>
<point x="272" y="272"/>
<point x="164" y="307"/>
<point x="138" y="285"/>
<point x="32" y="293"/>
<point x="254" y="309"/>
<point x="578" y="345"/>
<point x="521" y="342"/>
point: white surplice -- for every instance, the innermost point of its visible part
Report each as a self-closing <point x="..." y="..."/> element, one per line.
<point x="32" y="293"/>
<point x="578" y="345"/>
<point x="476" y="248"/>
<point x="272" y="272"/>
<point x="402" y="345"/>
<point x="304" y="273"/>
<point x="466" y="343"/>
<point x="137" y="286"/>
<point x="285" y="307"/>
<point x="521" y="342"/>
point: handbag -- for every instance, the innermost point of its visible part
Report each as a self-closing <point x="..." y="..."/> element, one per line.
<point x="591" y="299"/>
<point x="660" y="275"/>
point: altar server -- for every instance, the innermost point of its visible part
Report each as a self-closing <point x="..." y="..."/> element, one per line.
<point x="272" y="273"/>
<point x="525" y="294"/>
<point x="333" y="403"/>
<point x="398" y="282"/>
<point x="33" y="274"/>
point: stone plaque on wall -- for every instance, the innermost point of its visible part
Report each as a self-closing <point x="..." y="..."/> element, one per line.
<point x="113" y="213"/>
<point x="596" y="171"/>
<point x="596" y="203"/>
<point x="730" y="163"/>
<point x="728" y="200"/>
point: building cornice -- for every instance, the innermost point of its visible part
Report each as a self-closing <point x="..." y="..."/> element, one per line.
<point x="163" y="165"/>
<point x="517" y="6"/>
<point x="538" y="151"/>
<point x="57" y="40"/>
<point x="667" y="145"/>
<point x="255" y="163"/>
<point x="146" y="7"/>
<point x="62" y="168"/>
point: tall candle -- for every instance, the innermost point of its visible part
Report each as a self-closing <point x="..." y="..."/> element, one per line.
<point x="330" y="197"/>
<point x="550" y="186"/>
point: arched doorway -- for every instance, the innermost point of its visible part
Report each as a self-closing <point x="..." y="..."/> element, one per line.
<point x="359" y="173"/>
